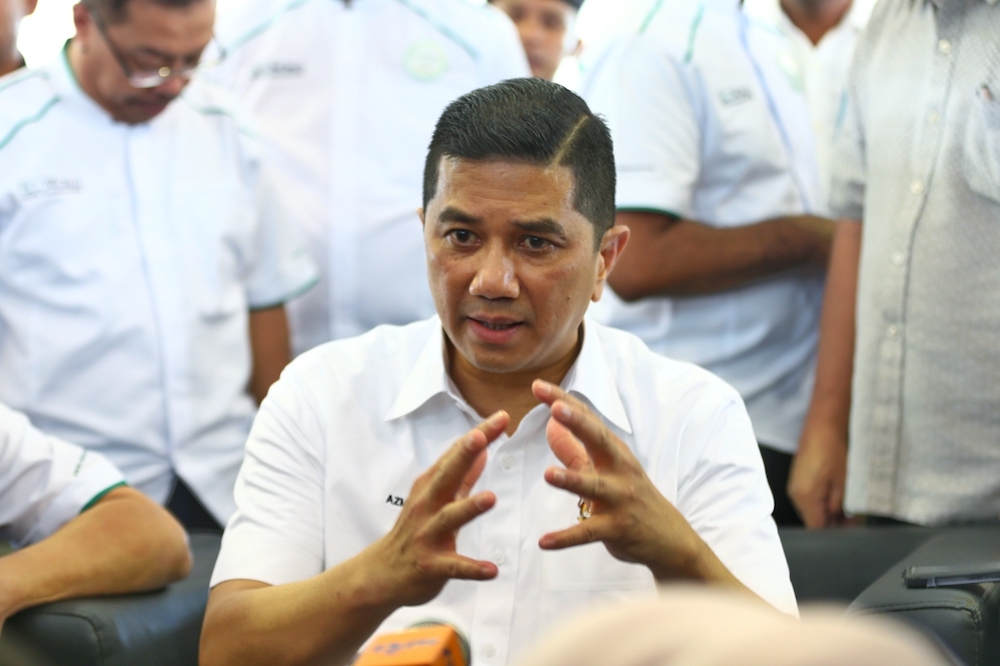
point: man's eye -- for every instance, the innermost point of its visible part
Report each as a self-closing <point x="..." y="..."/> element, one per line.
<point x="460" y="236"/>
<point x="537" y="243"/>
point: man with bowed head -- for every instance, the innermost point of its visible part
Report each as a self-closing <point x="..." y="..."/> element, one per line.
<point x="506" y="462"/>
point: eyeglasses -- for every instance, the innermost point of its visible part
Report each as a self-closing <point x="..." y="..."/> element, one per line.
<point x="152" y="78"/>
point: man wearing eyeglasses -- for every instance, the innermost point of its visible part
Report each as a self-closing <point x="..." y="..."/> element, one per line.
<point x="144" y="258"/>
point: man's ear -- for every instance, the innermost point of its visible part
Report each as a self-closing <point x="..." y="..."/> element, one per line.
<point x="612" y="245"/>
<point x="420" y="214"/>
<point x="82" y="21"/>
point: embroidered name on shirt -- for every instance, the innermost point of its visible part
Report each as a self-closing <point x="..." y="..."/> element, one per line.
<point x="279" y="70"/>
<point x="48" y="187"/>
<point x="393" y="500"/>
<point x="734" y="96"/>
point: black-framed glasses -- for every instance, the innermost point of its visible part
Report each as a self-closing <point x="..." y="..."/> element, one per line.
<point x="154" y="77"/>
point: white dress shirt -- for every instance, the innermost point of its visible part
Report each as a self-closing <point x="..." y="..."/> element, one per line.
<point x="350" y="94"/>
<point x="708" y="127"/>
<point x="819" y="71"/>
<point x="343" y="435"/>
<point x="129" y="258"/>
<point x="44" y="481"/>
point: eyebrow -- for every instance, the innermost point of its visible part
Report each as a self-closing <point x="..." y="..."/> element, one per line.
<point x="544" y="225"/>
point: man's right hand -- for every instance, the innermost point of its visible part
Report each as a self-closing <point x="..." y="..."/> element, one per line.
<point x="818" y="474"/>
<point x="417" y="557"/>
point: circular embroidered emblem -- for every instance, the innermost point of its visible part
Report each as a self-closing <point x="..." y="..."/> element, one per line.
<point x="425" y="60"/>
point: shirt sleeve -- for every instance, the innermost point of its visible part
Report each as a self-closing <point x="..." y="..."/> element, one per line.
<point x="276" y="534"/>
<point x="644" y="93"/>
<point x="849" y="167"/>
<point x="281" y="268"/>
<point x="723" y="493"/>
<point x="44" y="481"/>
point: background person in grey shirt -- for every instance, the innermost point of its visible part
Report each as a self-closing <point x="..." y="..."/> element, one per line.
<point x="918" y="179"/>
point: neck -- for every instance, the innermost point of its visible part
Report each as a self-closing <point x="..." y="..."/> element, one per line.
<point x="815" y="17"/>
<point x="488" y="392"/>
<point x="10" y="62"/>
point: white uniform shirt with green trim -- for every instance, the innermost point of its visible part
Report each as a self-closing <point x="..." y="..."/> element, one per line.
<point x="44" y="481"/>
<point x="350" y="94"/>
<point x="129" y="258"/>
<point x="708" y="126"/>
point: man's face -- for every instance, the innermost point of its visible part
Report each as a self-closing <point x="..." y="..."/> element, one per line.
<point x="543" y="25"/>
<point x="511" y="263"/>
<point x="150" y="37"/>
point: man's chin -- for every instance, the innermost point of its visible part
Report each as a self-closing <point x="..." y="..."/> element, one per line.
<point x="143" y="110"/>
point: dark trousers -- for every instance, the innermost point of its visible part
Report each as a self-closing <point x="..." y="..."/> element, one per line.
<point x="189" y="510"/>
<point x="777" y="465"/>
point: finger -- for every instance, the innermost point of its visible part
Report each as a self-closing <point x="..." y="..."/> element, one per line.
<point x="456" y="515"/>
<point x="566" y="446"/>
<point x="588" y="485"/>
<point x="451" y="469"/>
<point x="474" y="473"/>
<point x="835" y="498"/>
<point x="586" y="532"/>
<point x="603" y="448"/>
<point x="461" y="567"/>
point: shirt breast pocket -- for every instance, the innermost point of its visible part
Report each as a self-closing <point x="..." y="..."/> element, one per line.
<point x="591" y="568"/>
<point x="982" y="144"/>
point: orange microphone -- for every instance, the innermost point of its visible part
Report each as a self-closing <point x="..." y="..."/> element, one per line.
<point x="424" y="644"/>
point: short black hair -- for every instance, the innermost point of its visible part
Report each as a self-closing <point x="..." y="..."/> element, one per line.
<point x="116" y="11"/>
<point x="533" y="121"/>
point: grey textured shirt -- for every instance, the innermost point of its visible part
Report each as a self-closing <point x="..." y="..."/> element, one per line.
<point x="919" y="163"/>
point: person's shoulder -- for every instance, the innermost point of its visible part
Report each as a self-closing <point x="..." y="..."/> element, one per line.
<point x="209" y="100"/>
<point x="482" y="30"/>
<point x="378" y="360"/>
<point x="26" y="97"/>
<point x="252" y="19"/>
<point x="644" y="375"/>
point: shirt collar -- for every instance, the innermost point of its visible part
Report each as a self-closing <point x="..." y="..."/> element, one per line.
<point x="65" y="82"/>
<point x="589" y="378"/>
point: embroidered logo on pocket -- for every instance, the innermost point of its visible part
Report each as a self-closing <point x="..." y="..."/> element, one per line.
<point x="48" y="187"/>
<point x="734" y="96"/>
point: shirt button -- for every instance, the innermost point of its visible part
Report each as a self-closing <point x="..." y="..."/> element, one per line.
<point x="489" y="651"/>
<point x="933" y="117"/>
<point x="944" y="46"/>
<point x="916" y="187"/>
<point x="498" y="557"/>
<point x="507" y="462"/>
<point x="898" y="258"/>
<point x="892" y="332"/>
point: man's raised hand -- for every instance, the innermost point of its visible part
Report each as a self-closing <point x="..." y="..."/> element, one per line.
<point x="417" y="557"/>
<point x="629" y="515"/>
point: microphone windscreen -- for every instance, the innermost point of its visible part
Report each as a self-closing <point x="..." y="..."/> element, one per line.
<point x="425" y="644"/>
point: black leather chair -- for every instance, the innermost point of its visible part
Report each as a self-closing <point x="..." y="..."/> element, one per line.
<point x="965" y="618"/>
<point x="160" y="628"/>
<point x="838" y="564"/>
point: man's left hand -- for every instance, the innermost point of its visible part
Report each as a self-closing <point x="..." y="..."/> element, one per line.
<point x="629" y="515"/>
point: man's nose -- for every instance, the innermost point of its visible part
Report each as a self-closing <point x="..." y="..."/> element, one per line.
<point x="173" y="86"/>
<point x="496" y="277"/>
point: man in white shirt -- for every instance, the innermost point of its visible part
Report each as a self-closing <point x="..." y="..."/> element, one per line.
<point x="547" y="31"/>
<point x="718" y="184"/>
<point x="79" y="530"/>
<point x="144" y="256"/>
<point x="347" y="92"/>
<point x="340" y="532"/>
<point x="820" y="35"/>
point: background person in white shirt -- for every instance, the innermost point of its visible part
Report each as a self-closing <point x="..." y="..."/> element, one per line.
<point x="719" y="186"/>
<point x="79" y="530"/>
<point x="11" y="13"/>
<point x="328" y="545"/>
<point x="144" y="255"/>
<point x="821" y="35"/>
<point x="547" y="31"/>
<point x="348" y="93"/>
